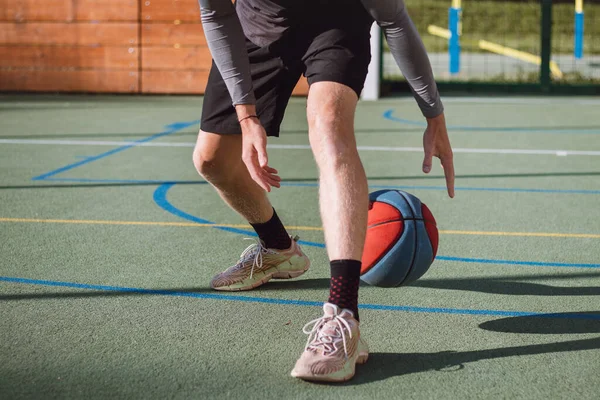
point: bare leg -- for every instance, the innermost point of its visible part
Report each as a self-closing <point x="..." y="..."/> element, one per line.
<point x="344" y="201"/>
<point x="343" y="193"/>
<point x="218" y="158"/>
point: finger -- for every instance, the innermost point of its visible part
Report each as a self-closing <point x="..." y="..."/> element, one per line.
<point x="261" y="149"/>
<point x="276" y="178"/>
<point x="270" y="170"/>
<point x="427" y="161"/>
<point x="274" y="175"/>
<point x="261" y="180"/>
<point x="256" y="173"/>
<point x="448" y="166"/>
<point x="272" y="180"/>
<point x="264" y="180"/>
<point x="275" y="184"/>
<point x="268" y="183"/>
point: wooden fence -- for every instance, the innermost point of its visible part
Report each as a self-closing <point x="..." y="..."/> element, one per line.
<point x="104" y="46"/>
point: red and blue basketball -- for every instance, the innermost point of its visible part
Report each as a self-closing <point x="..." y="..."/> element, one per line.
<point x="402" y="239"/>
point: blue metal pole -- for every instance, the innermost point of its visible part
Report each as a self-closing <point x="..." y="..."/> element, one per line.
<point x="579" y="35"/>
<point x="454" y="41"/>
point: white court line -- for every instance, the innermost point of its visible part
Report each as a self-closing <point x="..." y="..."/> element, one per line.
<point x="491" y="100"/>
<point x="302" y="147"/>
<point x="455" y="150"/>
<point x="94" y="143"/>
<point x="586" y="100"/>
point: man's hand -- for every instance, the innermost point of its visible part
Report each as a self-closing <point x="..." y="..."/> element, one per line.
<point x="436" y="143"/>
<point x="254" y="153"/>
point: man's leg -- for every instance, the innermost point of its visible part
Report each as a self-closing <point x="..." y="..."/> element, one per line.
<point x="343" y="190"/>
<point x="335" y="346"/>
<point x="336" y="67"/>
<point x="218" y="159"/>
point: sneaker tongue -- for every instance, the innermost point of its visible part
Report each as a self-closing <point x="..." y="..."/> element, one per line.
<point x="331" y="327"/>
<point x="330" y="310"/>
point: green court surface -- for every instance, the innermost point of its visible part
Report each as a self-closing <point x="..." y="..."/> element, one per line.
<point x="107" y="251"/>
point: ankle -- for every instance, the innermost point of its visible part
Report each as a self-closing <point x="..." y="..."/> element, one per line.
<point x="273" y="234"/>
<point x="344" y="284"/>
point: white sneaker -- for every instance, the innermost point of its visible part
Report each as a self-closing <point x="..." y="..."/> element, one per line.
<point x="258" y="265"/>
<point x="333" y="349"/>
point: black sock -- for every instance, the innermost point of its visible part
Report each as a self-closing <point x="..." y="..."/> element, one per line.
<point x="273" y="233"/>
<point x="343" y="287"/>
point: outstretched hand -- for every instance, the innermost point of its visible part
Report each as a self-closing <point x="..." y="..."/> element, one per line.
<point x="254" y="154"/>
<point x="437" y="144"/>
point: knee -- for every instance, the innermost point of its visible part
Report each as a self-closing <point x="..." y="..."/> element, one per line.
<point x="211" y="164"/>
<point x="330" y="114"/>
<point x="332" y="139"/>
<point x="325" y="115"/>
<point x="205" y="164"/>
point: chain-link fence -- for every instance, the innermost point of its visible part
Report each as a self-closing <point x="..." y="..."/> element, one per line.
<point x="501" y="41"/>
<point x="576" y="41"/>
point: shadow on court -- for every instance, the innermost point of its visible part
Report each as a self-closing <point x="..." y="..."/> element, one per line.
<point x="121" y="292"/>
<point x="508" y="287"/>
<point x="322" y="284"/>
<point x="317" y="283"/>
<point x="382" y="366"/>
<point x="514" y="285"/>
<point x="548" y="324"/>
<point x="493" y="285"/>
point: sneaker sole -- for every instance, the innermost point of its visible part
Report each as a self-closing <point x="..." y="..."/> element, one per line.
<point x="265" y="279"/>
<point x="290" y="274"/>
<point x="362" y="358"/>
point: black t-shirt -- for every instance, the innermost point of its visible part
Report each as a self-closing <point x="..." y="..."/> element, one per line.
<point x="265" y="21"/>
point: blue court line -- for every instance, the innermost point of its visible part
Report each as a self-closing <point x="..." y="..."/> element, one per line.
<point x="512" y="262"/>
<point x="459" y="188"/>
<point x="312" y="184"/>
<point x="172" y="128"/>
<point x="388" y="115"/>
<point x="131" y="181"/>
<point x="254" y="299"/>
<point x="160" y="198"/>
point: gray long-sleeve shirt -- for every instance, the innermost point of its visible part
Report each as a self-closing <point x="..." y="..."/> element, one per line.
<point x="226" y="41"/>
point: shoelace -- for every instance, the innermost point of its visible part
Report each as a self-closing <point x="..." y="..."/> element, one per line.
<point x="254" y="252"/>
<point x="318" y="339"/>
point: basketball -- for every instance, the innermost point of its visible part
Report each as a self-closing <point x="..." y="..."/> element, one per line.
<point x="402" y="239"/>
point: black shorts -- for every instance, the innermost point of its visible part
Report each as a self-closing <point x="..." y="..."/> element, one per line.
<point x="333" y="46"/>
